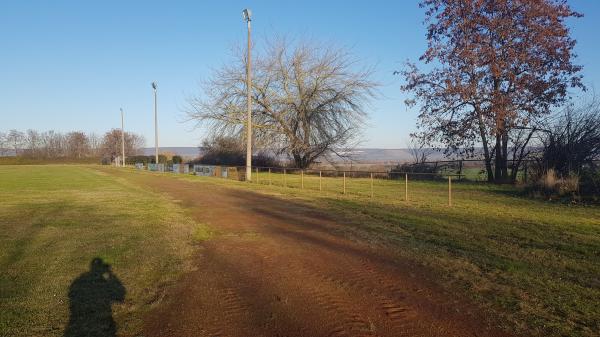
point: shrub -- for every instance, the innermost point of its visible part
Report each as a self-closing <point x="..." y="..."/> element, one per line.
<point x="589" y="183"/>
<point x="426" y="171"/>
<point x="227" y="151"/>
<point x="230" y="151"/>
<point x="265" y="160"/>
<point x="550" y="185"/>
<point x="177" y="159"/>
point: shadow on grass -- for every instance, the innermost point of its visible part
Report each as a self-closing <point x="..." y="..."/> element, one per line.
<point x="91" y="296"/>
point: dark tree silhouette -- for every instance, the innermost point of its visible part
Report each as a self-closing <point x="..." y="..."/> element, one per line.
<point x="91" y="296"/>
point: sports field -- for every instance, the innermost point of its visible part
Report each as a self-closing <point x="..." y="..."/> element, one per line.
<point x="121" y="252"/>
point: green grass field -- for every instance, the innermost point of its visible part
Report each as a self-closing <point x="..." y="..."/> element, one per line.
<point x="54" y="220"/>
<point x="534" y="263"/>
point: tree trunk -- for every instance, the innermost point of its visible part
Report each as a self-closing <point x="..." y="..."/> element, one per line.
<point x="498" y="160"/>
<point x="300" y="160"/>
<point x="486" y="150"/>
<point x="504" y="167"/>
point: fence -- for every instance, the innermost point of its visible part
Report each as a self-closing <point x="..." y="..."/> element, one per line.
<point x="367" y="184"/>
<point x="474" y="169"/>
<point x="406" y="186"/>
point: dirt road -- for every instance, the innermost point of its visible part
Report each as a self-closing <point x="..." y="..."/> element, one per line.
<point x="279" y="268"/>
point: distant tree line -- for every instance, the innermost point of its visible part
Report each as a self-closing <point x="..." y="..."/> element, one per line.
<point x="71" y="145"/>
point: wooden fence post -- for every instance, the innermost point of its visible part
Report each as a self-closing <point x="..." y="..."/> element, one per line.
<point x="344" y="182"/>
<point x="269" y="176"/>
<point x="320" y="184"/>
<point x="257" y="175"/>
<point x="302" y="179"/>
<point x="449" y="190"/>
<point x="371" y="185"/>
<point x="405" y="186"/>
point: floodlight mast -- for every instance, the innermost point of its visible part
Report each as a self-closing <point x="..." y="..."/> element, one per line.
<point x="122" y="139"/>
<point x="247" y="14"/>
<point x="154" y="86"/>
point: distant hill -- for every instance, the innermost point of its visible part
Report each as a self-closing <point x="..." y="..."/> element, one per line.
<point x="365" y="155"/>
<point x="188" y="152"/>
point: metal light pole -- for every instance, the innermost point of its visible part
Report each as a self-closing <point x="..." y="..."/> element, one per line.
<point x="122" y="139"/>
<point x="247" y="16"/>
<point x="155" y="125"/>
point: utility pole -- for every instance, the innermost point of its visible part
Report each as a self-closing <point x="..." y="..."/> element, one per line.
<point x="155" y="126"/>
<point x="122" y="139"/>
<point x="247" y="16"/>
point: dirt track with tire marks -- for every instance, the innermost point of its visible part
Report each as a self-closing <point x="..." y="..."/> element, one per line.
<point x="280" y="268"/>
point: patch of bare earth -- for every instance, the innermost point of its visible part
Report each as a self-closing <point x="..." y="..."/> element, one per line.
<point x="278" y="268"/>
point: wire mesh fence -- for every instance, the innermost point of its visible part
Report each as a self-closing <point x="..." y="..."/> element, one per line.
<point x="365" y="184"/>
<point x="380" y="185"/>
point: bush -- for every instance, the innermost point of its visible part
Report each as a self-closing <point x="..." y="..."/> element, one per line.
<point x="230" y="151"/>
<point x="221" y="150"/>
<point x="589" y="179"/>
<point x="177" y="159"/>
<point x="132" y="160"/>
<point x="265" y="160"/>
<point x="427" y="171"/>
<point x="550" y="186"/>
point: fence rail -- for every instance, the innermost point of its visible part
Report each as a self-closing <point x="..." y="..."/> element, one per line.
<point x="368" y="184"/>
<point x="475" y="169"/>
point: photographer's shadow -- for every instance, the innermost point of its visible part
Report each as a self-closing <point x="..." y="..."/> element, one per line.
<point x="91" y="296"/>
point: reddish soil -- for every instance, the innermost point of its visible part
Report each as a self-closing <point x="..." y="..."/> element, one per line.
<point x="280" y="268"/>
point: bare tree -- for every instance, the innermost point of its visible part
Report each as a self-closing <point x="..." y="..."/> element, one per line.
<point x="53" y="144"/>
<point x="77" y="144"/>
<point x="571" y="141"/>
<point x="111" y="144"/>
<point x="3" y="144"/>
<point x="32" y="143"/>
<point x="519" y="140"/>
<point x="15" y="139"/>
<point x="308" y="100"/>
<point x="419" y="151"/>
<point x="95" y="144"/>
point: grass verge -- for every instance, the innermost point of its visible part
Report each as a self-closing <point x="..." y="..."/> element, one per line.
<point x="55" y="221"/>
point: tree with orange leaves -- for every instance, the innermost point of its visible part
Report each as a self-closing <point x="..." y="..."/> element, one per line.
<point x="493" y="66"/>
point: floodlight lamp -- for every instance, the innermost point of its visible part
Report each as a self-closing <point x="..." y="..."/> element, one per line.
<point x="247" y="14"/>
<point x="154" y="85"/>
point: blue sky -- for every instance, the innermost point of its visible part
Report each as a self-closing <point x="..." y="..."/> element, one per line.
<point x="70" y="65"/>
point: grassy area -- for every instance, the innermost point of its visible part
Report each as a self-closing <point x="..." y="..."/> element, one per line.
<point x="31" y="161"/>
<point x="535" y="263"/>
<point x="55" y="221"/>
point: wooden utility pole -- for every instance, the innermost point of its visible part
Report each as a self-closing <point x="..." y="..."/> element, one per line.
<point x="122" y="139"/>
<point x="247" y="16"/>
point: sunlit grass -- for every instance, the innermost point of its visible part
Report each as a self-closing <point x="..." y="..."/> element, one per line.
<point x="55" y="219"/>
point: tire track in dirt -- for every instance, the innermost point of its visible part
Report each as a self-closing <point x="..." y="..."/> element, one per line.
<point x="356" y="272"/>
<point x="388" y="301"/>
